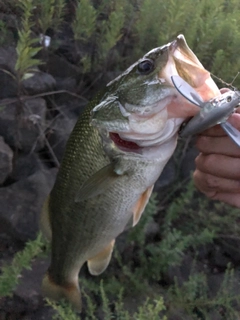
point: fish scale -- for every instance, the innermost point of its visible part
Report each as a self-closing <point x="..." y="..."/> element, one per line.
<point x="115" y="205"/>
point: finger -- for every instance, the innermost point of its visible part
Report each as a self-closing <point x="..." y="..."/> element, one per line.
<point x="234" y="119"/>
<point x="208" y="183"/>
<point x="223" y="90"/>
<point x="214" y="131"/>
<point x="219" y="145"/>
<point x="229" y="198"/>
<point x="219" y="165"/>
<point x="237" y="110"/>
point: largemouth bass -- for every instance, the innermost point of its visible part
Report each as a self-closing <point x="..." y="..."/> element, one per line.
<point x="114" y="155"/>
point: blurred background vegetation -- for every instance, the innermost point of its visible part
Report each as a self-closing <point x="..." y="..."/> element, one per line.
<point x="109" y="35"/>
<point x="169" y="273"/>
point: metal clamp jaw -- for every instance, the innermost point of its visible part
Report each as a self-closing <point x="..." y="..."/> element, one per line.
<point x="212" y="112"/>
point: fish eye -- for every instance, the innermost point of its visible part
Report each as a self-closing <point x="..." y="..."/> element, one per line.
<point x="145" y="66"/>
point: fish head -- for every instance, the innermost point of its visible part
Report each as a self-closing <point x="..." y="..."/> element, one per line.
<point x="141" y="109"/>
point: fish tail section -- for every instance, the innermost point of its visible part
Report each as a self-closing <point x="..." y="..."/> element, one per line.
<point x="70" y="292"/>
<point x="44" y="222"/>
<point x="98" y="263"/>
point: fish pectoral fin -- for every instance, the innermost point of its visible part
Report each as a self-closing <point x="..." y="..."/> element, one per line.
<point x="97" y="183"/>
<point x="140" y="205"/>
<point x="44" y="222"/>
<point x="69" y="291"/>
<point x="99" y="263"/>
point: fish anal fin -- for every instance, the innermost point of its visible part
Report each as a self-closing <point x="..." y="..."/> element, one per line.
<point x="140" y="205"/>
<point x="44" y="222"/>
<point x="98" y="263"/>
<point x="68" y="291"/>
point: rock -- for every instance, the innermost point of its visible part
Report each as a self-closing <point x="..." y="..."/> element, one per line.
<point x="40" y="82"/>
<point x="27" y="301"/>
<point x="25" y="131"/>
<point x="8" y="85"/>
<point x="29" y="288"/>
<point x="8" y="58"/>
<point x="59" y="132"/>
<point x="69" y="84"/>
<point x="43" y="313"/>
<point x="61" y="68"/>
<point x="10" y="20"/>
<point x="21" y="204"/>
<point x="25" y="165"/>
<point x="6" y="156"/>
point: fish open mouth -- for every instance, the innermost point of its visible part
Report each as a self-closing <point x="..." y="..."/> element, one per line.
<point x="184" y="63"/>
<point x="158" y="114"/>
<point x="123" y="144"/>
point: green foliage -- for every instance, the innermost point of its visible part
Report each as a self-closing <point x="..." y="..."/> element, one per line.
<point x="4" y="32"/>
<point x="108" y="33"/>
<point x="49" y="14"/>
<point x="102" y="34"/>
<point x="84" y="23"/>
<point x="151" y="310"/>
<point x="27" y="46"/>
<point x="22" y="260"/>
<point x="44" y="14"/>
<point x="111" y="29"/>
<point x="210" y="27"/>
<point x="194" y="296"/>
<point x="64" y="310"/>
<point x="148" y="310"/>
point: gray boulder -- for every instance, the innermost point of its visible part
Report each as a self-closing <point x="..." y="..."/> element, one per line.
<point x="25" y="165"/>
<point x="60" y="129"/>
<point x="6" y="156"/>
<point x="21" y="204"/>
<point x="8" y="85"/>
<point x="22" y="126"/>
<point x="40" y="82"/>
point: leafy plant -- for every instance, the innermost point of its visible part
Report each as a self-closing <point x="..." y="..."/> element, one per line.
<point x="195" y="298"/>
<point x="49" y="14"/>
<point x="101" y="31"/>
<point x="27" y="46"/>
<point x="10" y="275"/>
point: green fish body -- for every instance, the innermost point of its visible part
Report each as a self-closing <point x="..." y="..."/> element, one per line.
<point x="114" y="155"/>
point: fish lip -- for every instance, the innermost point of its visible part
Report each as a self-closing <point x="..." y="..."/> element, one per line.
<point x="183" y="62"/>
<point x="173" y="45"/>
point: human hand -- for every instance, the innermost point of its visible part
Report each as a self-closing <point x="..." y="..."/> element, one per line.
<point x="217" y="172"/>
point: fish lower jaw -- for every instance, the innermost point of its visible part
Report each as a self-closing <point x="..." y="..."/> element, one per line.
<point x="142" y="144"/>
